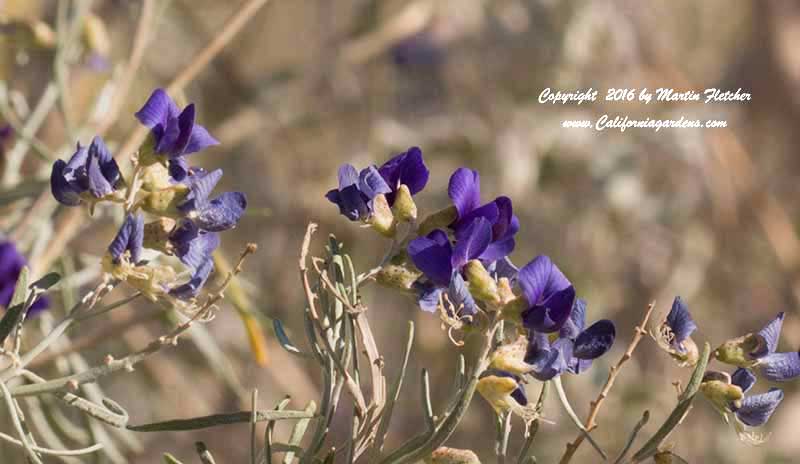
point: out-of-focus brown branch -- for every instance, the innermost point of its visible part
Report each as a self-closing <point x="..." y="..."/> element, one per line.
<point x="140" y="41"/>
<point x="590" y="423"/>
<point x="229" y="31"/>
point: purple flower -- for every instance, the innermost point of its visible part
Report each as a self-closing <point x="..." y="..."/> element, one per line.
<point x="357" y="189"/>
<point x="575" y="347"/>
<point x="680" y="323"/>
<point x="91" y="173"/>
<point x="129" y="239"/>
<point x="215" y="215"/>
<point x="465" y="192"/>
<point x="199" y="277"/>
<point x="516" y="390"/>
<point x="174" y="131"/>
<point x="759" y="350"/>
<point x="441" y="262"/>
<point x="755" y="410"/>
<point x="549" y="294"/>
<point x="11" y="264"/>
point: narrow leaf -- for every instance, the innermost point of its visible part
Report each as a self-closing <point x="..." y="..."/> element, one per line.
<point x="15" y="307"/>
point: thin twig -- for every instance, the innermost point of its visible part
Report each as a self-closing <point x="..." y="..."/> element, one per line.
<point x="590" y="423"/>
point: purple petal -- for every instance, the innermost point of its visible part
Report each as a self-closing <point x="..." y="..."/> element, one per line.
<point x="199" y="278"/>
<point x="460" y="297"/>
<point x="551" y="315"/>
<point x="465" y="190"/>
<point x="428" y="296"/>
<point x="169" y="135"/>
<point x="596" y="340"/>
<point x="504" y="219"/>
<point x="199" y="139"/>
<point x="107" y="163"/>
<point x="680" y="322"/>
<point x="503" y="268"/>
<point x="178" y="168"/>
<point x="128" y="238"/>
<point x="406" y="168"/>
<point x="743" y="378"/>
<point x="757" y="409"/>
<point x="223" y="212"/>
<point x="771" y="334"/>
<point x="200" y="188"/>
<point x="157" y="110"/>
<point x="519" y="395"/>
<point x="348" y="175"/>
<point x="98" y="185"/>
<point x="371" y="184"/>
<point x="780" y="367"/>
<point x="351" y="202"/>
<point x="488" y="211"/>
<point x="498" y="250"/>
<point x="62" y="190"/>
<point x="475" y="239"/>
<point x="541" y="278"/>
<point x="185" y="130"/>
<point x="576" y="322"/>
<point x="548" y="361"/>
<point x="432" y="255"/>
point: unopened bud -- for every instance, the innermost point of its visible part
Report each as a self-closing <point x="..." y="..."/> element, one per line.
<point x="397" y="276"/>
<point x="405" y="209"/>
<point x="156" y="234"/>
<point x="722" y="395"/>
<point x="504" y="290"/>
<point x="512" y="310"/>
<point x="382" y="219"/>
<point x="737" y="351"/>
<point x="481" y="284"/>
<point x="438" y="220"/>
<point x="445" y="455"/>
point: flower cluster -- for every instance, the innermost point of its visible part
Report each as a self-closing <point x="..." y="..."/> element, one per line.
<point x="177" y="197"/>
<point x="456" y="262"/>
<point x="751" y="353"/>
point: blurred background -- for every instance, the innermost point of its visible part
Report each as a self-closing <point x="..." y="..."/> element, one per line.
<point x="630" y="217"/>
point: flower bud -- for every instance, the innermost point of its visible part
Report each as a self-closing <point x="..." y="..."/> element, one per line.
<point x="382" y="219"/>
<point x="397" y="276"/>
<point x="504" y="290"/>
<point x="405" y="209"/>
<point x="165" y="202"/>
<point x="438" y="220"/>
<point x="513" y="309"/>
<point x="445" y="455"/>
<point x="722" y="395"/>
<point x="156" y="235"/>
<point x="737" y="351"/>
<point x="511" y="357"/>
<point x="154" y="174"/>
<point x="690" y="356"/>
<point x="481" y="284"/>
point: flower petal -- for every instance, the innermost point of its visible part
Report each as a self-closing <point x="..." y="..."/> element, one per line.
<point x="199" y="139"/>
<point x="432" y="255"/>
<point x="64" y="192"/>
<point x="191" y="288"/>
<point x="770" y="334"/>
<point x="757" y="409"/>
<point x="185" y="126"/>
<point x="780" y="367"/>
<point x="473" y="243"/>
<point x="548" y="361"/>
<point x="465" y="190"/>
<point x="129" y="238"/>
<point x="460" y="297"/>
<point x="200" y="188"/>
<point x="158" y="108"/>
<point x="743" y="378"/>
<point x="406" y="168"/>
<point x="498" y="250"/>
<point x="680" y="321"/>
<point x="223" y="212"/>
<point x="596" y="340"/>
<point x="541" y="278"/>
<point x="551" y="315"/>
<point x="178" y="168"/>
<point x="348" y="175"/>
<point x="428" y="296"/>
<point x="98" y="185"/>
<point x="107" y="163"/>
<point x="576" y="322"/>
<point x="503" y="268"/>
<point x="371" y="184"/>
<point x="488" y="211"/>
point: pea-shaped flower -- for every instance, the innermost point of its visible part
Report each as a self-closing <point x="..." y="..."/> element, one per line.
<point x="90" y="175"/>
<point x="548" y="293"/>
<point x="194" y="247"/>
<point x="174" y="131"/>
<point x="674" y="334"/>
<point x="759" y="351"/>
